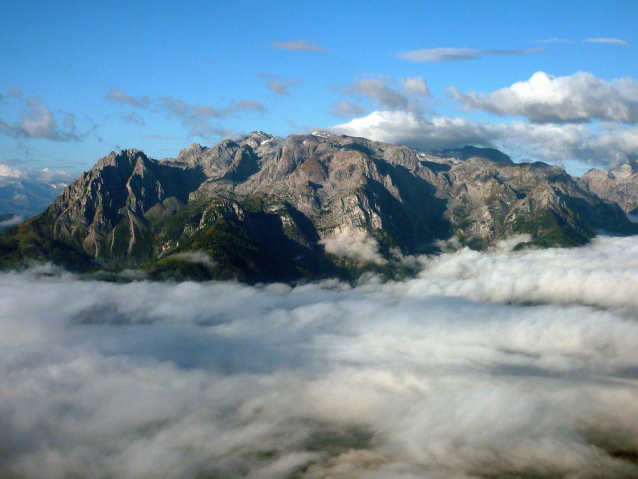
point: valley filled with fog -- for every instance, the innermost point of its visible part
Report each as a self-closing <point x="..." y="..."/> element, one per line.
<point x="486" y="365"/>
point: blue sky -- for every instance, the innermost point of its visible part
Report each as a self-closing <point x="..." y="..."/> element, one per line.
<point x="553" y="81"/>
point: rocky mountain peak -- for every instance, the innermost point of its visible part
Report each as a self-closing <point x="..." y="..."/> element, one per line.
<point x="623" y="171"/>
<point x="472" y="151"/>
<point x="268" y="208"/>
<point x="125" y="158"/>
<point x="195" y="150"/>
<point x="619" y="185"/>
<point x="256" y="138"/>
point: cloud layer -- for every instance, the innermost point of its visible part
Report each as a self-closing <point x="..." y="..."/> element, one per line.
<point x="490" y="364"/>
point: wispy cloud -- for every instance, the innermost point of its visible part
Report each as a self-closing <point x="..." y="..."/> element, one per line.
<point x="344" y="109"/>
<point x="197" y="117"/>
<point x="606" y="40"/>
<point x="454" y="54"/>
<point x="552" y="40"/>
<point x="162" y="137"/>
<point x="121" y="97"/>
<point x="389" y="93"/>
<point x="133" y="117"/>
<point x="277" y="84"/>
<point x="38" y="121"/>
<point x="15" y="93"/>
<point x="299" y="45"/>
<point x="586" y="40"/>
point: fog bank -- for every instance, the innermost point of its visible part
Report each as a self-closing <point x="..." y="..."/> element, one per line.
<point x="493" y="364"/>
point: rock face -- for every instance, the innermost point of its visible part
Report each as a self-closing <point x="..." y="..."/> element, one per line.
<point x="266" y="208"/>
<point x="619" y="186"/>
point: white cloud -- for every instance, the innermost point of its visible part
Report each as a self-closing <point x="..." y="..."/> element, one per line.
<point x="197" y="257"/>
<point x="16" y="220"/>
<point x="8" y="172"/>
<point x="550" y="142"/>
<point x="543" y="98"/>
<point x="452" y="54"/>
<point x="415" y="86"/>
<point x="445" y="375"/>
<point x="415" y="130"/>
<point x="354" y="244"/>
<point x="299" y="45"/>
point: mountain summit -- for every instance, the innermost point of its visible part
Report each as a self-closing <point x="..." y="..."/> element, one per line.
<point x="265" y="208"/>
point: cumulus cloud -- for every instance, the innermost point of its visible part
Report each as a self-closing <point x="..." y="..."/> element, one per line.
<point x="415" y="86"/>
<point x="38" y="121"/>
<point x="544" y="98"/>
<point x="453" y="54"/>
<point x="299" y="45"/>
<point x="7" y="171"/>
<point x="277" y="84"/>
<point x="547" y="142"/>
<point x="354" y="244"/>
<point x="418" y="131"/>
<point x="445" y="375"/>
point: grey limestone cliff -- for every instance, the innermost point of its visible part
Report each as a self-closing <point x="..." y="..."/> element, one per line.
<point x="269" y="208"/>
<point x="619" y="185"/>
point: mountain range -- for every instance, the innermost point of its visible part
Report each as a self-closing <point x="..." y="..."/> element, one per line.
<point x="265" y="208"/>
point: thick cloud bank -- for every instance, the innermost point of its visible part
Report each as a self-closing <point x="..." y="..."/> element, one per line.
<point x="488" y="365"/>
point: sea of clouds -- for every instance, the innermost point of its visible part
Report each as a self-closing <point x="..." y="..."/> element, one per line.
<point x="487" y="365"/>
